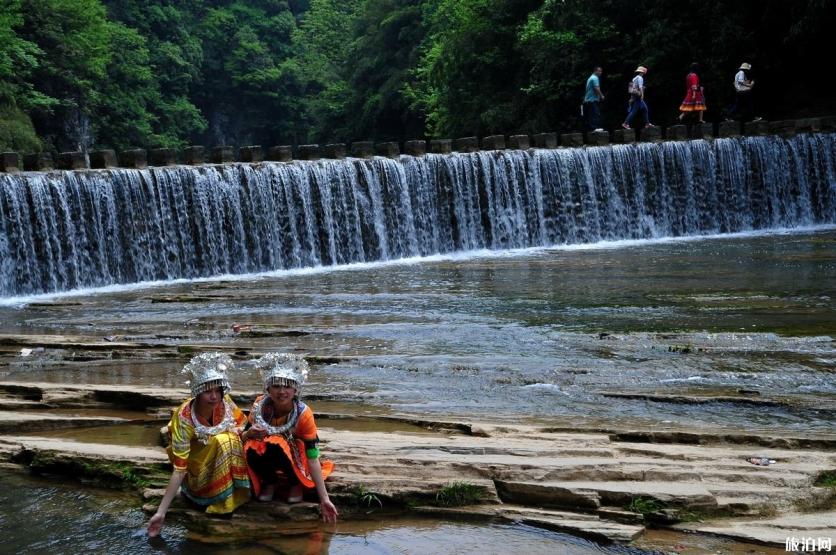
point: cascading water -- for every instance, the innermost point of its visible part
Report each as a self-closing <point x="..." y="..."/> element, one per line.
<point x="66" y="230"/>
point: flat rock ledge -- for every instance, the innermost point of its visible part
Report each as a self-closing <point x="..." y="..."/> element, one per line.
<point x="605" y="485"/>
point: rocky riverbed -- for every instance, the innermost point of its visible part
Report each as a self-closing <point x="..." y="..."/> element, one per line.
<point x="605" y="484"/>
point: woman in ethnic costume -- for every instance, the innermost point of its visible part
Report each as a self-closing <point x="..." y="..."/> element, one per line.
<point x="694" y="101"/>
<point x="283" y="438"/>
<point x="205" y="446"/>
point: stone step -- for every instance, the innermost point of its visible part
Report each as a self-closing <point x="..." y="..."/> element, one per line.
<point x="592" y="495"/>
<point x="769" y="531"/>
<point x="589" y="526"/>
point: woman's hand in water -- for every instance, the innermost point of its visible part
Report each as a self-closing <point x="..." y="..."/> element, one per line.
<point x="155" y="525"/>
<point x="329" y="511"/>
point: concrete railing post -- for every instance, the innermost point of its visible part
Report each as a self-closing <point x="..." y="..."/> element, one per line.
<point x="676" y="133"/>
<point x="309" y="152"/>
<point x="388" y="149"/>
<point x="251" y="154"/>
<point x="571" y="140"/>
<point x="162" y="157"/>
<point x="362" y="149"/>
<point x="519" y="142"/>
<point x="10" y="162"/>
<point x="650" y="134"/>
<point x="760" y="127"/>
<point x="282" y="153"/>
<point x="466" y="144"/>
<point x="38" y="162"/>
<point x="808" y="125"/>
<point x="136" y="158"/>
<point x="784" y="128"/>
<point x="223" y="155"/>
<point x="194" y="155"/>
<point x="415" y="147"/>
<point x="624" y="136"/>
<point x="493" y="142"/>
<point x="545" y="140"/>
<point x="441" y="146"/>
<point x="72" y="161"/>
<point x="598" y="138"/>
<point x="101" y="159"/>
<point x="728" y="129"/>
<point x="334" y="151"/>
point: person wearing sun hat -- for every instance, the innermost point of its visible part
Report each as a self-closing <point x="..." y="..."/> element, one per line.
<point x="205" y="443"/>
<point x="282" y="438"/>
<point x="637" y="104"/>
<point x="743" y="107"/>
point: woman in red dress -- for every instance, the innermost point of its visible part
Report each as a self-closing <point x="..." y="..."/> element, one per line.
<point x="694" y="101"/>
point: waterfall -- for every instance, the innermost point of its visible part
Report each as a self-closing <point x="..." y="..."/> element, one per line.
<point x="65" y="230"/>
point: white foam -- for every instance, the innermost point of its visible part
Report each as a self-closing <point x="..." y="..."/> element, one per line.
<point x="461" y="256"/>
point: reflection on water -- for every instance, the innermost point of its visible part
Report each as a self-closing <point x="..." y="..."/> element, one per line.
<point x="516" y="335"/>
<point x="41" y="517"/>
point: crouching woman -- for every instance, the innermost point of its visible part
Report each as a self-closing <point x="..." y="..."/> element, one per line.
<point x="282" y="438"/>
<point x="205" y="447"/>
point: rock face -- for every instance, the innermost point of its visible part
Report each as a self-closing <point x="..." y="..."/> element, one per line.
<point x="600" y="484"/>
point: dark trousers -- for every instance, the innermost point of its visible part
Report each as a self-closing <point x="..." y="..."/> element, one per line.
<point x="266" y="465"/>
<point x="743" y="108"/>
<point x="592" y="114"/>
<point x="637" y="107"/>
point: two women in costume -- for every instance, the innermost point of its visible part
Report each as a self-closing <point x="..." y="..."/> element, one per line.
<point x="208" y="434"/>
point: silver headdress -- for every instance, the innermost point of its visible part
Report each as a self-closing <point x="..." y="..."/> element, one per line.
<point x="208" y="370"/>
<point x="284" y="369"/>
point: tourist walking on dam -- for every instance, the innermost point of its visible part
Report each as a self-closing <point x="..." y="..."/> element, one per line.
<point x="694" y="101"/>
<point x="743" y="107"/>
<point x="637" y="105"/>
<point x="282" y="439"/>
<point x="205" y="447"/>
<point x="592" y="100"/>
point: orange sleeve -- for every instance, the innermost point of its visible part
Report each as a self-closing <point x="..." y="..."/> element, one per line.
<point x="306" y="426"/>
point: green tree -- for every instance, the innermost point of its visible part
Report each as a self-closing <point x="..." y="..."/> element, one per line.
<point x="386" y="48"/>
<point x="469" y="76"/>
<point x="72" y="36"/>
<point x="322" y="60"/>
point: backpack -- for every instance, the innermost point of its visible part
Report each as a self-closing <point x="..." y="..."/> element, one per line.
<point x="631" y="87"/>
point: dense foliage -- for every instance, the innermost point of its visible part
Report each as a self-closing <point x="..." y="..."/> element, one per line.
<point x="123" y="73"/>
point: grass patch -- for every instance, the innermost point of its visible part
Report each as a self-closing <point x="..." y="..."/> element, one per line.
<point x="826" y="479"/>
<point x="366" y="498"/>
<point x="458" y="494"/>
<point x="644" y="505"/>
<point x="98" y="472"/>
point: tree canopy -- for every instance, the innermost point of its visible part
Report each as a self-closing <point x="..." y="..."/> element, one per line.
<point x="125" y="73"/>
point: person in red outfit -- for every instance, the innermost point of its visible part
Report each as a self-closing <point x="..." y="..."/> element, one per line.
<point x="694" y="102"/>
<point x="282" y="437"/>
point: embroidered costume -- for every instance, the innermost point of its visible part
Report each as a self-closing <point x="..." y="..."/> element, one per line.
<point x="295" y="434"/>
<point x="216" y="474"/>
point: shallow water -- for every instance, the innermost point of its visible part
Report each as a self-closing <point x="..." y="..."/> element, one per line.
<point x="41" y="517"/>
<point x="516" y="335"/>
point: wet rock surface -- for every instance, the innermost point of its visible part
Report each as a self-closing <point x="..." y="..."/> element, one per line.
<point x="597" y="484"/>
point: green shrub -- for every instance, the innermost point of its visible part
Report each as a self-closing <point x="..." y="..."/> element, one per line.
<point x="17" y="132"/>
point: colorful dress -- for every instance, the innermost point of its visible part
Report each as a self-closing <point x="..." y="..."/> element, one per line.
<point x="694" y="99"/>
<point x="216" y="474"/>
<point x="299" y="443"/>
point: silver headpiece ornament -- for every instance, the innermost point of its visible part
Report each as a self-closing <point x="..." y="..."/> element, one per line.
<point x="208" y="370"/>
<point x="284" y="369"/>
